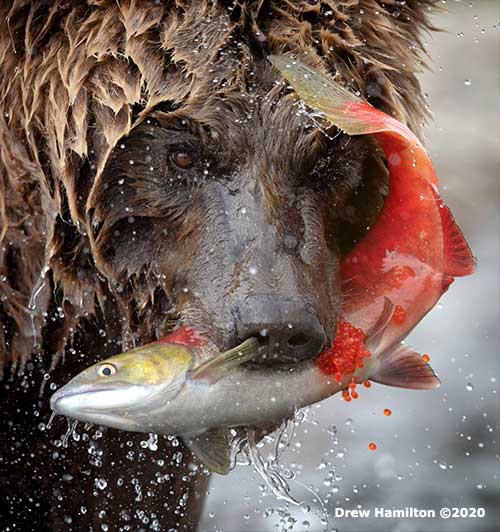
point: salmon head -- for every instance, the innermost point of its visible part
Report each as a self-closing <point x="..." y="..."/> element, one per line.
<point x="119" y="391"/>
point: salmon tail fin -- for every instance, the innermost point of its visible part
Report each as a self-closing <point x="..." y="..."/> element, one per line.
<point x="459" y="260"/>
<point x="344" y="109"/>
<point x="402" y="367"/>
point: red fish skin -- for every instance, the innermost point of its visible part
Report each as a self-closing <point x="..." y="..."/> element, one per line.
<point x="403" y="255"/>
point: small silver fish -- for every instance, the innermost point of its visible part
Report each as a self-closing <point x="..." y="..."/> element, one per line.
<point x="169" y="388"/>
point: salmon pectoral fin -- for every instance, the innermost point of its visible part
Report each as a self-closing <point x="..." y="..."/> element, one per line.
<point x="376" y="332"/>
<point x="223" y="364"/>
<point x="402" y="367"/>
<point x="212" y="448"/>
<point x="458" y="257"/>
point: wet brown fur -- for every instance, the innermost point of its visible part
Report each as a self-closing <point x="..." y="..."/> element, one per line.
<point x="79" y="76"/>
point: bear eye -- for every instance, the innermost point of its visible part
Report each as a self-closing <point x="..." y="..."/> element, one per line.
<point x="182" y="158"/>
<point x="106" y="370"/>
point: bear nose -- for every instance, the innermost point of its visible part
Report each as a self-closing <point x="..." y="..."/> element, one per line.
<point x="289" y="332"/>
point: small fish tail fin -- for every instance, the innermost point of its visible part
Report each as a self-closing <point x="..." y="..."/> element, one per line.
<point x="459" y="260"/>
<point x="402" y="367"/>
<point x="344" y="109"/>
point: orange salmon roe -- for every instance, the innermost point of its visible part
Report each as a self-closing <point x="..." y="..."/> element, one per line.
<point x="426" y="358"/>
<point x="372" y="446"/>
<point x="387" y="412"/>
<point x="345" y="355"/>
<point x="367" y="384"/>
<point x="399" y="315"/>
<point x="346" y="395"/>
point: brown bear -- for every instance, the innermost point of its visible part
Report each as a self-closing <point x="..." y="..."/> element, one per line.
<point x="155" y="170"/>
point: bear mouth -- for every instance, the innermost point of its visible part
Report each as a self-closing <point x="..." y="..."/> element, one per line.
<point x="297" y="348"/>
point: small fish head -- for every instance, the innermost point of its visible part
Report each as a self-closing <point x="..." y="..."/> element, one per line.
<point x="121" y="390"/>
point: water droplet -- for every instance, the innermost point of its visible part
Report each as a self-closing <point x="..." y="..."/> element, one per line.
<point x="469" y="387"/>
<point x="467" y="82"/>
<point x="101" y="483"/>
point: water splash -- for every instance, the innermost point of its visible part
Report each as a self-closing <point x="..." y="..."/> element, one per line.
<point x="71" y="429"/>
<point x="272" y="472"/>
<point x="268" y="471"/>
<point x="51" y="419"/>
<point x="39" y="285"/>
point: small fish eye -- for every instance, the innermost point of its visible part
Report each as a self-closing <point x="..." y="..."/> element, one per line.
<point x="182" y="158"/>
<point x="106" y="370"/>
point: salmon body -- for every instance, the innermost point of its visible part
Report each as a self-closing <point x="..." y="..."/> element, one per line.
<point x="414" y="250"/>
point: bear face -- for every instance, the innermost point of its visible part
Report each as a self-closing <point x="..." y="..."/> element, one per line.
<point x="239" y="227"/>
<point x="238" y="216"/>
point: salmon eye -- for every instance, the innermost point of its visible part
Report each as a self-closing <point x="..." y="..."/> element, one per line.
<point x="183" y="159"/>
<point x="106" y="370"/>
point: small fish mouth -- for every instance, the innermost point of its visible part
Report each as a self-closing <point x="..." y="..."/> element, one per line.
<point x="65" y="393"/>
<point x="87" y="399"/>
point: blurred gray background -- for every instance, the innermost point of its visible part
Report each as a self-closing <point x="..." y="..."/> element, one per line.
<point x="438" y="448"/>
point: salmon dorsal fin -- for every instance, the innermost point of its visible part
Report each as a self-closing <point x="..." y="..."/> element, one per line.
<point x="402" y="367"/>
<point x="458" y="258"/>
